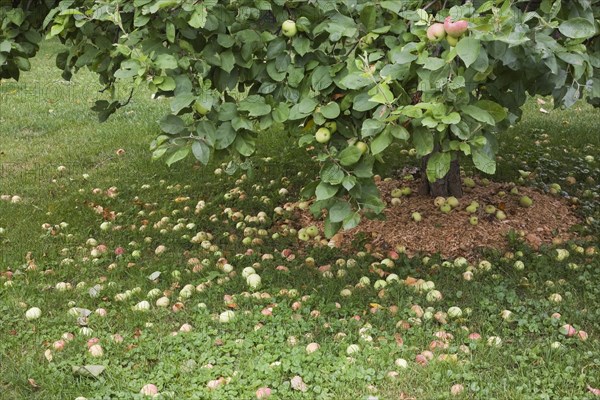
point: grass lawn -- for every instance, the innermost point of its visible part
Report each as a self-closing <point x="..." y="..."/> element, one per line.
<point x="141" y="269"/>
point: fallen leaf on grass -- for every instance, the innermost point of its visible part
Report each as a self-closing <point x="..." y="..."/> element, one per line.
<point x="91" y="371"/>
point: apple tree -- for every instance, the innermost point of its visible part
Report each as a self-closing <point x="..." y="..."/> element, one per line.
<point x="348" y="77"/>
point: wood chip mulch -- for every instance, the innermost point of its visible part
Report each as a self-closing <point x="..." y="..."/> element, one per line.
<point x="550" y="217"/>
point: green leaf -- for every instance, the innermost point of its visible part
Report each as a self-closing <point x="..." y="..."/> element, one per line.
<point x="381" y="94"/>
<point x="201" y="151"/>
<point x="349" y="156"/>
<point x="368" y="16"/>
<point x="371" y="127"/>
<point x="577" y="28"/>
<point x="180" y="102"/>
<point x="281" y="113"/>
<point x="423" y="141"/>
<point x="339" y="211"/>
<point x="227" y="112"/>
<point x="452" y="118"/>
<point x="349" y="182"/>
<point x="172" y="124"/>
<point x="128" y="69"/>
<point x="331" y="110"/>
<point x="381" y="142"/>
<point x="496" y="110"/>
<point x="394" y="6"/>
<point x="364" y="169"/>
<point x="483" y="161"/>
<point x="362" y="102"/>
<point x="321" y="78"/>
<point x="355" y="80"/>
<point x="399" y="132"/>
<point x="225" y="136"/>
<point x="244" y="144"/>
<point x="434" y="63"/>
<point x="227" y="61"/>
<point x="207" y="131"/>
<point x="301" y="44"/>
<point x="5" y="46"/>
<point x="332" y="173"/>
<point x="352" y="221"/>
<point x="465" y="148"/>
<point x="325" y="191"/>
<point x="478" y="114"/>
<point x="198" y="18"/>
<point x="178" y="155"/>
<point x="165" y="61"/>
<point x="438" y="166"/>
<point x="468" y="49"/>
<point x="168" y="84"/>
<point x="170" y="32"/>
<point x="308" y="190"/>
<point x="411" y="111"/>
<point x="374" y="203"/>
<point x="331" y="228"/>
<point x="255" y="106"/>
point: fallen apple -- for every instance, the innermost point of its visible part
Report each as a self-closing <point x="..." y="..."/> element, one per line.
<point x="33" y="313"/>
<point x="525" y="201"/>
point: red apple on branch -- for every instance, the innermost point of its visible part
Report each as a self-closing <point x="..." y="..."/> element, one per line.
<point x="455" y="29"/>
<point x="436" y="32"/>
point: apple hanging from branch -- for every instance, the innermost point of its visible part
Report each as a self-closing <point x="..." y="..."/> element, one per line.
<point x="436" y="32"/>
<point x="288" y="28"/>
<point x="455" y="29"/>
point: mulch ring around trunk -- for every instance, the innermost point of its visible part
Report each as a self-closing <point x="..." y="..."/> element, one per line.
<point x="548" y="218"/>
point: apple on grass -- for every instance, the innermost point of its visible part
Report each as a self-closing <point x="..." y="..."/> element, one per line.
<point x="312" y="231"/>
<point x="303" y="235"/>
<point x="288" y="28"/>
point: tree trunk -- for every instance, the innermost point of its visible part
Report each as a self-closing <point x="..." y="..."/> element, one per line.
<point x="450" y="185"/>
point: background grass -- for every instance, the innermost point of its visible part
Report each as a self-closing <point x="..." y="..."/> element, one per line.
<point x="46" y="123"/>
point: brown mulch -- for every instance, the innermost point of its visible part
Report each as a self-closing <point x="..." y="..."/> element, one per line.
<point x="451" y="235"/>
